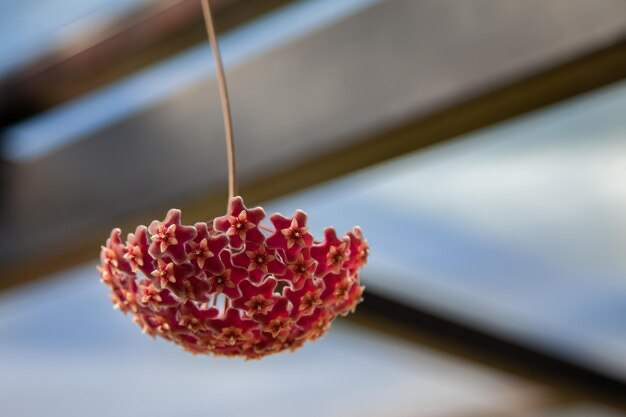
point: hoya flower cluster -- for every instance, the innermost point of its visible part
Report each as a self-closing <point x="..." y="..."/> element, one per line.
<point x="228" y="288"/>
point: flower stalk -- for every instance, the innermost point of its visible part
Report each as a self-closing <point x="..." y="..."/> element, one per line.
<point x="224" y="99"/>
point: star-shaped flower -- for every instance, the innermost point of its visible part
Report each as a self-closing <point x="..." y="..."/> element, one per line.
<point x="279" y="327"/>
<point x="195" y="288"/>
<point x="195" y="319"/>
<point x="330" y="255"/>
<point x="301" y="269"/>
<point x="169" y="237"/>
<point x="151" y="295"/>
<point x="191" y="323"/>
<point x="161" y="324"/>
<point x="106" y="277"/>
<point x="143" y="322"/>
<point x="168" y="273"/>
<point x="258" y="304"/>
<point x="280" y="308"/>
<point x="310" y="301"/>
<point x="118" y="301"/>
<point x="231" y="328"/>
<point x="355" y="296"/>
<point x="227" y="281"/>
<point x="136" y="254"/>
<point x="113" y="253"/>
<point x="117" y="280"/>
<point x="318" y="328"/>
<point x="231" y="334"/>
<point x="155" y="299"/>
<point x="240" y="223"/>
<point x="337" y="256"/>
<point x="359" y="249"/>
<point x="342" y="289"/>
<point x="164" y="273"/>
<point x="153" y="324"/>
<point x="205" y="249"/>
<point x="305" y="299"/>
<point x="269" y="345"/>
<point x="259" y="261"/>
<point x="219" y="282"/>
<point x="331" y="281"/>
<point x="256" y="299"/>
<point x="109" y="258"/>
<point x="315" y="324"/>
<point x="291" y="234"/>
<point x="362" y="253"/>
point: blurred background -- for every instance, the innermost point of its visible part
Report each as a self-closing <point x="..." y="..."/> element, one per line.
<point x="480" y="144"/>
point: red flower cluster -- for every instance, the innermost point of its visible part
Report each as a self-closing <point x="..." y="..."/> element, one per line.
<point x="227" y="288"/>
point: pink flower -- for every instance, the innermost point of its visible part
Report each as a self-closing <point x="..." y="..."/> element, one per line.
<point x="310" y="301"/>
<point x="196" y="320"/>
<point x="167" y="273"/>
<point x="291" y="235"/>
<point x="300" y="270"/>
<point x="113" y="253"/>
<point x="256" y="299"/>
<point x="136" y="254"/>
<point x="359" y="249"/>
<point x="332" y="255"/>
<point x="228" y="281"/>
<point x="231" y="327"/>
<point x="305" y="300"/>
<point x="241" y="224"/>
<point x="195" y="288"/>
<point x="279" y="327"/>
<point x="354" y="298"/>
<point x="222" y="281"/>
<point x="204" y="250"/>
<point x="331" y="282"/>
<point x="169" y="237"/>
<point x="315" y="324"/>
<point x="342" y="289"/>
<point x="258" y="304"/>
<point x="223" y="288"/>
<point x="259" y="261"/>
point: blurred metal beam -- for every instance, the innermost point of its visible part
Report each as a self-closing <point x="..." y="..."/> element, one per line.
<point x="392" y="79"/>
<point x="138" y="41"/>
<point x="572" y="381"/>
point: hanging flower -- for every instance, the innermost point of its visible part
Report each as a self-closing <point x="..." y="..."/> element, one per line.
<point x="241" y="224"/>
<point x="291" y="234"/>
<point x="169" y="237"/>
<point x="227" y="289"/>
<point x="300" y="270"/>
<point x="204" y="250"/>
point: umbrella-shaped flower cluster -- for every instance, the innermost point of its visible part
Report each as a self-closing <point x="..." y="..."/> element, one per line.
<point x="234" y="286"/>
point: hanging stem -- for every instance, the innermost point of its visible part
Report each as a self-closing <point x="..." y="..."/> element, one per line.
<point x="228" y="122"/>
